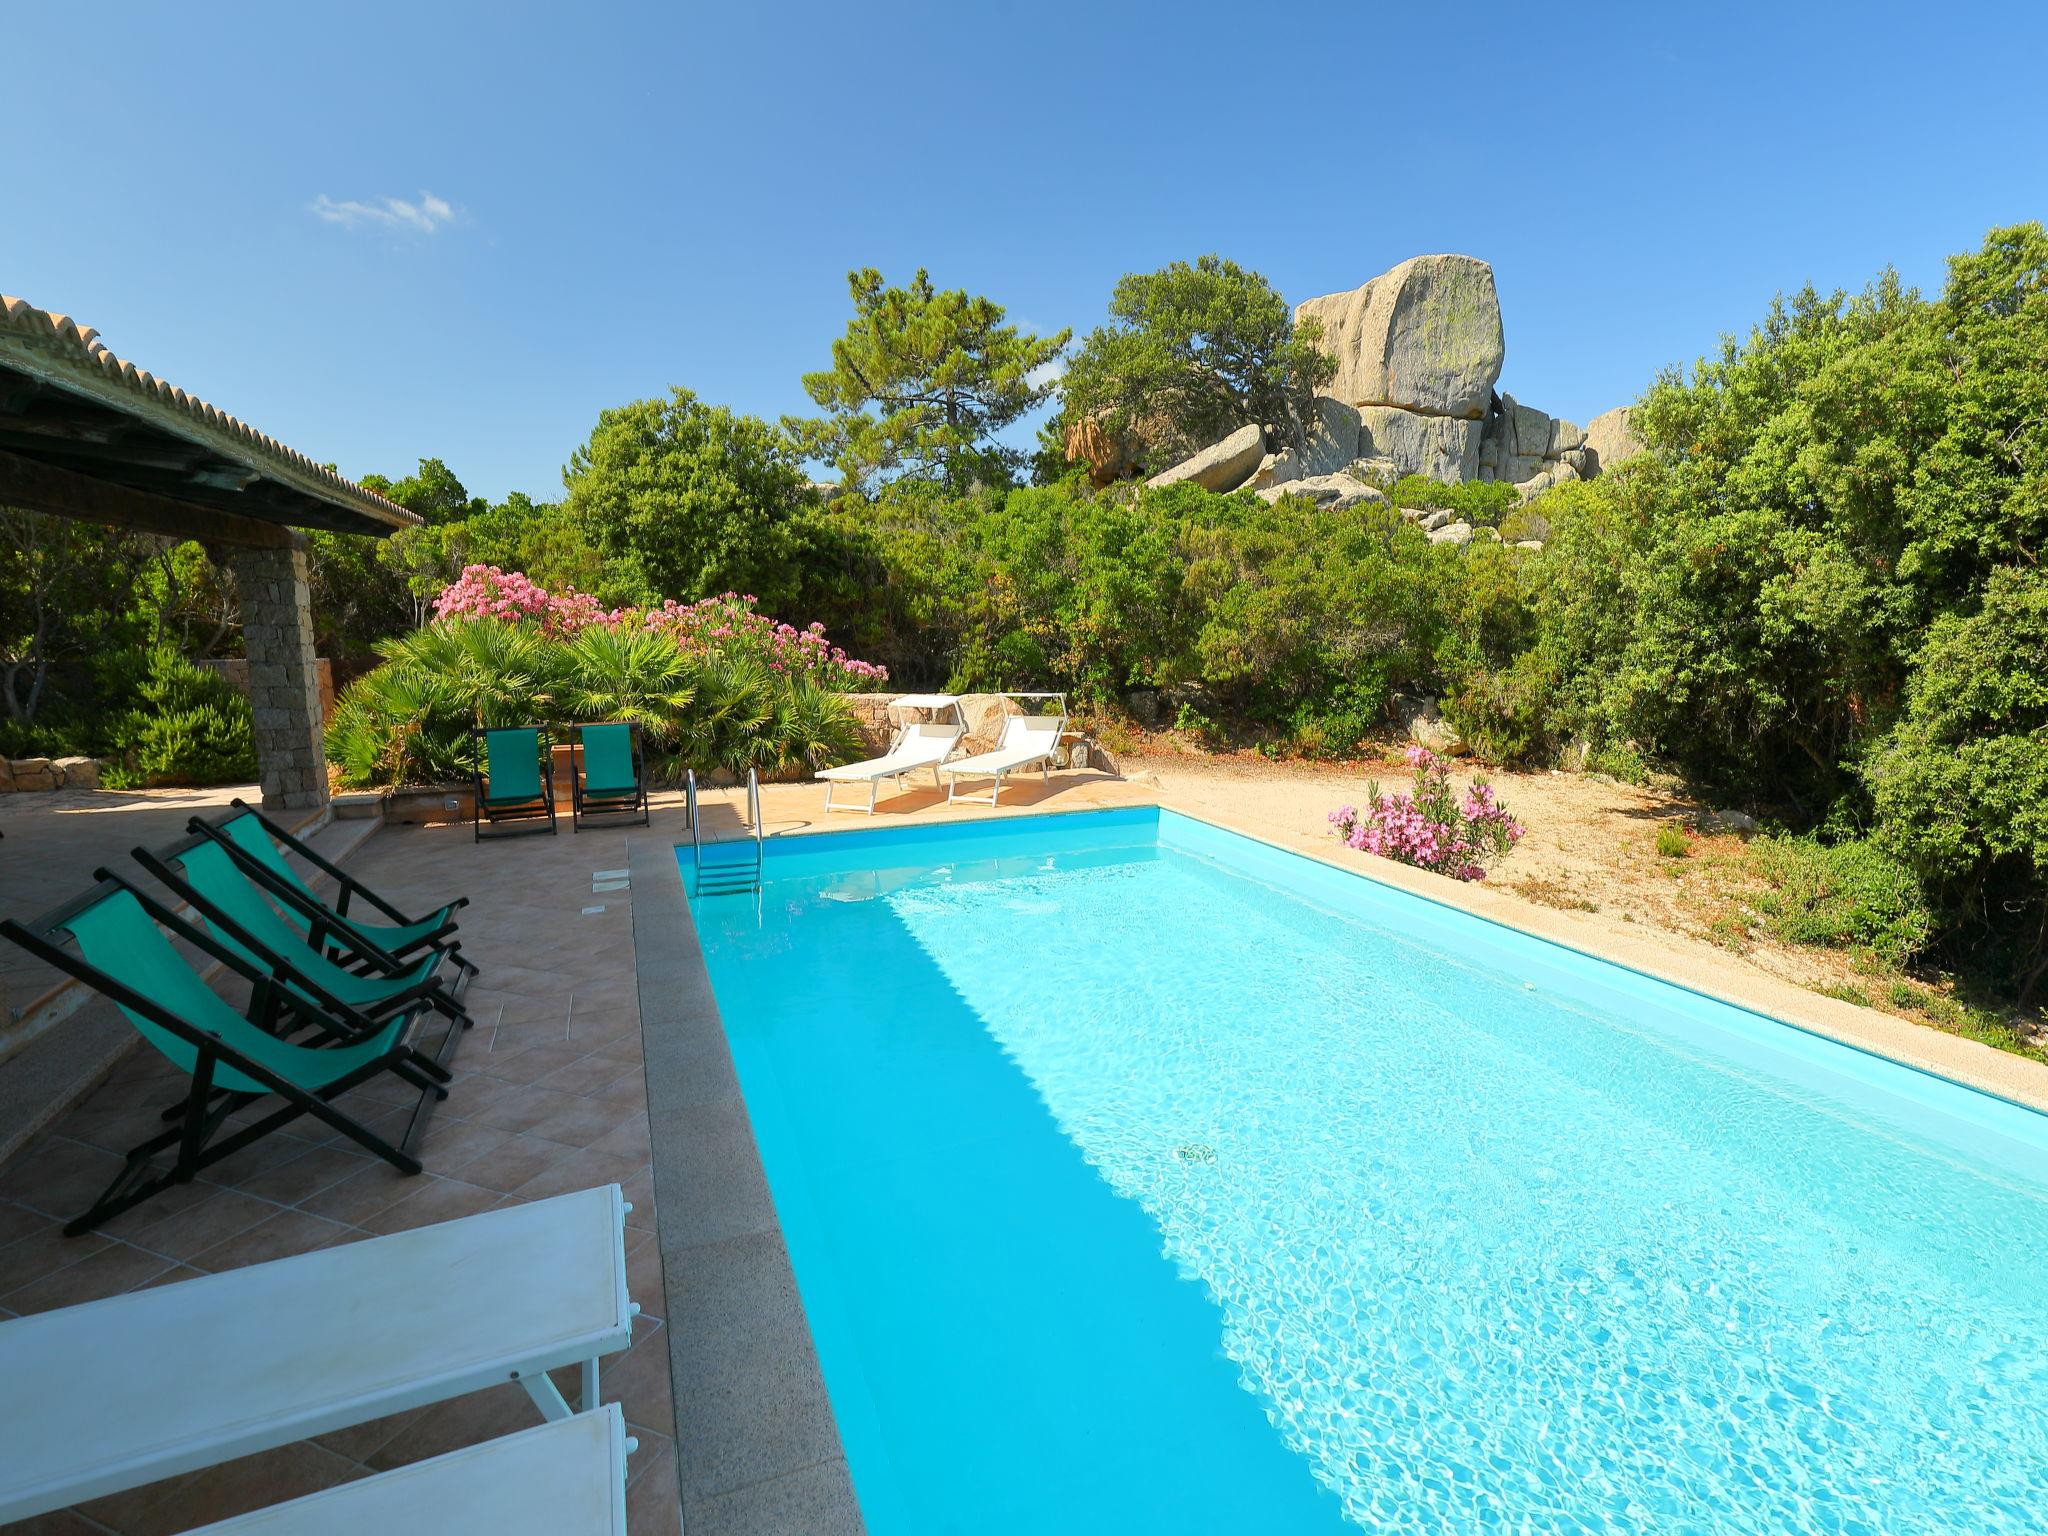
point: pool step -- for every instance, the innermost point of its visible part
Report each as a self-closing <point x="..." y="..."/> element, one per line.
<point x="729" y="877"/>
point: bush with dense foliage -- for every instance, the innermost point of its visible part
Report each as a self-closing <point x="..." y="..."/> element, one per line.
<point x="712" y="685"/>
<point x="188" y="725"/>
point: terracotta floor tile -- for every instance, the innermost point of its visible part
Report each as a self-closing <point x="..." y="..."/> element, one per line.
<point x="580" y="1169"/>
<point x="306" y="1175"/>
<point x="113" y="1269"/>
<point x="459" y="1422"/>
<point x="361" y="1195"/>
<point x="281" y="1236"/>
<point x="18" y="1221"/>
<point x="528" y="1065"/>
<point x="654" y="1504"/>
<point x="581" y="1122"/>
<point x="43" y="1252"/>
<point x="434" y="1199"/>
<point x="521" y="1109"/>
<point x="643" y="1274"/>
<point x="588" y="1075"/>
<point x="222" y="1492"/>
<point x="518" y="1160"/>
<point x="57" y="1177"/>
<point x="451" y="1144"/>
<point x="184" y="1234"/>
<point x="631" y="1137"/>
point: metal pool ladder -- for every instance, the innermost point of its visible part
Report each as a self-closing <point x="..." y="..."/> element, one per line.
<point x="720" y="876"/>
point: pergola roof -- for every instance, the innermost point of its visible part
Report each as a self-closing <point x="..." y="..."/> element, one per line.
<point x="85" y="433"/>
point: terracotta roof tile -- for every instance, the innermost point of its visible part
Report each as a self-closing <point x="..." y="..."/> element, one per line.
<point x="67" y="353"/>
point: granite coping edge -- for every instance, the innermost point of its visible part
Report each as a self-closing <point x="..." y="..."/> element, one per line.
<point x="752" y="1411"/>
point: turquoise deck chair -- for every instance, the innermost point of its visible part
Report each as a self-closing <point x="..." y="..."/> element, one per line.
<point x="125" y="952"/>
<point x="259" y="845"/>
<point x="515" y="779"/>
<point x="610" y="777"/>
<point x="201" y="871"/>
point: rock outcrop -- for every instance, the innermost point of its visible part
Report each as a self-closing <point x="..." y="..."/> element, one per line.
<point x="1610" y="439"/>
<point x="1418" y="352"/>
<point x="1425" y="336"/>
<point x="1441" y="447"/>
<point x="1332" y="493"/>
<point x="1221" y="466"/>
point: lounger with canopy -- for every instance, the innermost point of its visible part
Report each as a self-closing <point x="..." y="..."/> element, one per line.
<point x="914" y="744"/>
<point x="243" y="918"/>
<point x="118" y="1393"/>
<point x="355" y="912"/>
<point x="514" y="779"/>
<point x="125" y="952"/>
<point x="1027" y="741"/>
<point x="609" y="776"/>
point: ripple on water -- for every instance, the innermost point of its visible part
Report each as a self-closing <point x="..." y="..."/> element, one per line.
<point x="1494" y="1263"/>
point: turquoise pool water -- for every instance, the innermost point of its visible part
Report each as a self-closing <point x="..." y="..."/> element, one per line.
<point x="1139" y="1177"/>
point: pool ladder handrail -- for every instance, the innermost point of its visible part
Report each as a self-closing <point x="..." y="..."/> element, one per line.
<point x="730" y="877"/>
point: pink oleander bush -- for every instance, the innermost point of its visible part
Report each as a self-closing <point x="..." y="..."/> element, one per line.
<point x="730" y="625"/>
<point x="712" y="685"/>
<point x="1432" y="826"/>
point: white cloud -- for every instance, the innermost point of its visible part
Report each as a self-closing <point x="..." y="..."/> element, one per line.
<point x="1047" y="373"/>
<point x="423" y="216"/>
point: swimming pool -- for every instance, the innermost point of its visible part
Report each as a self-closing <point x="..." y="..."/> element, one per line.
<point x="1138" y="1176"/>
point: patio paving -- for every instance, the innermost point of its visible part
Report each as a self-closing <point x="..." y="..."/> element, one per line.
<point x="50" y="843"/>
<point x="549" y="1095"/>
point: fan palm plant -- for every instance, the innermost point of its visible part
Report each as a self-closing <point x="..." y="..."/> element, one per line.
<point x="636" y="675"/>
<point x="499" y="673"/>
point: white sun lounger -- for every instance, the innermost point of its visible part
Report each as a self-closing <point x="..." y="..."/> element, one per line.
<point x="1026" y="740"/>
<point x="923" y="745"/>
<point x="121" y="1392"/>
<point x="567" y="1478"/>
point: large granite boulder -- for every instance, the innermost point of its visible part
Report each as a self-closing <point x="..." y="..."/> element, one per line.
<point x="1221" y="466"/>
<point x="1442" y="447"/>
<point x="1610" y="439"/>
<point x="1330" y="493"/>
<point x="1425" y="336"/>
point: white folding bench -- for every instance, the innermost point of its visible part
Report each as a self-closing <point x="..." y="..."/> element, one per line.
<point x="121" y="1392"/>
<point x="565" y="1478"/>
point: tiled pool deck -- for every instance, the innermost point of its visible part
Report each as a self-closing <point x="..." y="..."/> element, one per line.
<point x="550" y="1095"/>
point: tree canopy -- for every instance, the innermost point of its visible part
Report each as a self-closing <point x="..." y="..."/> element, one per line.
<point x="922" y="382"/>
<point x="683" y="499"/>
<point x="1193" y="352"/>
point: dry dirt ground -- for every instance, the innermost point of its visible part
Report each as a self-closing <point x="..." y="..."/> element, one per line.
<point x="1590" y="852"/>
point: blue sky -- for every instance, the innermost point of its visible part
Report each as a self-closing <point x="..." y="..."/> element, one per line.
<point x="628" y="197"/>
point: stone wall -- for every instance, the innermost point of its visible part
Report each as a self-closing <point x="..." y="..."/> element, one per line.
<point x="284" y="676"/>
<point x="24" y="775"/>
<point x="236" y="670"/>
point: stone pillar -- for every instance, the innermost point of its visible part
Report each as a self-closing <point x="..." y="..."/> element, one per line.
<point x="284" y="676"/>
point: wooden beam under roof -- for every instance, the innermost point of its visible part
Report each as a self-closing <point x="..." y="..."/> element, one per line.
<point x="41" y="487"/>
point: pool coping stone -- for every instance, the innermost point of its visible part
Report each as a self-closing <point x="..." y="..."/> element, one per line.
<point x="756" y="1439"/>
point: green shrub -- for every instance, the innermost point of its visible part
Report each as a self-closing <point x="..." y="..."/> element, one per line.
<point x="1672" y="843"/>
<point x="1845" y="894"/>
<point x="409" y="720"/>
<point x="1482" y="503"/>
<point x="189" y="725"/>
